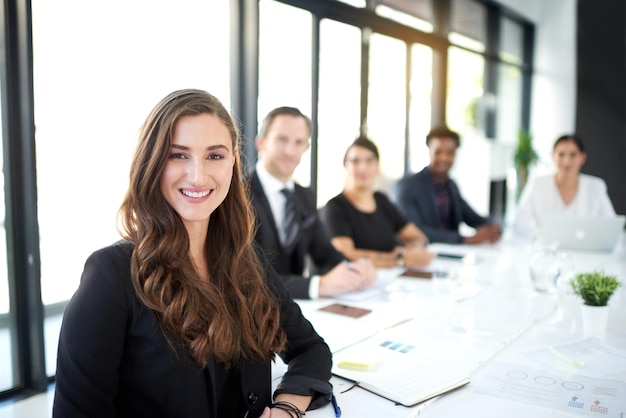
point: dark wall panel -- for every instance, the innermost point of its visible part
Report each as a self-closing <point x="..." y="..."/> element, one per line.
<point x="601" y="95"/>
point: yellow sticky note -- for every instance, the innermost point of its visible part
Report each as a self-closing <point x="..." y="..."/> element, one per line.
<point x="363" y="365"/>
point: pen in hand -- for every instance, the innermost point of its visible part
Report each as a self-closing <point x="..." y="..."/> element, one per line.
<point x="349" y="266"/>
<point x="362" y="269"/>
<point x="335" y="406"/>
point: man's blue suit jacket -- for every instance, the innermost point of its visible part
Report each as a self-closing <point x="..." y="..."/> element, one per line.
<point x="416" y="197"/>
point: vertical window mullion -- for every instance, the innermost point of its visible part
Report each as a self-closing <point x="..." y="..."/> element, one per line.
<point x="315" y="90"/>
<point x="244" y="64"/>
<point x="407" y="110"/>
<point x="441" y="10"/>
<point x="527" y="72"/>
<point x="491" y="71"/>
<point x="21" y="224"/>
<point x="365" y="75"/>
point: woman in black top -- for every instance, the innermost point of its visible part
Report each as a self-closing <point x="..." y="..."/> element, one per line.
<point x="365" y="223"/>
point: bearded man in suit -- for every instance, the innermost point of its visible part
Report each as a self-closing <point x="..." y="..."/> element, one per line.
<point x="432" y="201"/>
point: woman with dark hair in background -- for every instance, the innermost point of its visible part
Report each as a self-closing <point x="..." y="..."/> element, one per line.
<point x="567" y="192"/>
<point x="364" y="223"/>
<point x="181" y="318"/>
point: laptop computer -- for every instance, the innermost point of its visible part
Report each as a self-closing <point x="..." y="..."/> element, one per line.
<point x="581" y="233"/>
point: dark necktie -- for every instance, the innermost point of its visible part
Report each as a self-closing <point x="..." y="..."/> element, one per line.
<point x="290" y="225"/>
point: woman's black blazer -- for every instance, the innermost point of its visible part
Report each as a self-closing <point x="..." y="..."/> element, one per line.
<point x="114" y="361"/>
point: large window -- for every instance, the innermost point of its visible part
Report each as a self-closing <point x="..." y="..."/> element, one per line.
<point x="509" y="103"/>
<point x="420" y="108"/>
<point x="468" y="24"/>
<point x="285" y="65"/>
<point x="339" y="103"/>
<point x="466" y="97"/>
<point x="386" y="110"/>
<point x="96" y="77"/>
<point x="512" y="41"/>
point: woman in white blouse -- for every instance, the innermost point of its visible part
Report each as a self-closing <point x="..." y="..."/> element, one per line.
<point x="568" y="192"/>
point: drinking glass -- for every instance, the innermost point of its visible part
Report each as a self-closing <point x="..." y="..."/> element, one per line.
<point x="548" y="266"/>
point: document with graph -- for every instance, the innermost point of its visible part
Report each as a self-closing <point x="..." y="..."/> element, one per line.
<point x="394" y="367"/>
<point x="573" y="394"/>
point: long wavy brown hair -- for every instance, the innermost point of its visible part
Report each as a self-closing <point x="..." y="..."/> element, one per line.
<point x="232" y="315"/>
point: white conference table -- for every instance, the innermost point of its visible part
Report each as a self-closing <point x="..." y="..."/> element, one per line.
<point x="486" y="320"/>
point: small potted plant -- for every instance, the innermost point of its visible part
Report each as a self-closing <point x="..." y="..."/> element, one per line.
<point x="595" y="288"/>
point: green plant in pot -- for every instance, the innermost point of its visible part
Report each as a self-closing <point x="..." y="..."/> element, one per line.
<point x="595" y="288"/>
<point x="524" y="156"/>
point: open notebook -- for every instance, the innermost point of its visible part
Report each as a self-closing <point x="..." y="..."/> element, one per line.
<point x="391" y="367"/>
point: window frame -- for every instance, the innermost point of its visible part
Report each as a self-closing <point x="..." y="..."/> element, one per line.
<point x="22" y="234"/>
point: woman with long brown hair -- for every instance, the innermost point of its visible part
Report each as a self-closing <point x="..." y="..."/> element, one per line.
<point x="180" y="318"/>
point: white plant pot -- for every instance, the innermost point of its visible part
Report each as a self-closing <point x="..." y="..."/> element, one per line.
<point x="595" y="320"/>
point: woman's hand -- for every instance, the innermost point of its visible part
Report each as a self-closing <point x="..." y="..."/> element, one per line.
<point x="417" y="257"/>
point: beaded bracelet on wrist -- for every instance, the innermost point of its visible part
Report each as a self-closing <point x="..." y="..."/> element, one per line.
<point x="288" y="407"/>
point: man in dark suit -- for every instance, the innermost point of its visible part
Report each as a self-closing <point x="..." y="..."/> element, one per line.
<point x="283" y="138"/>
<point x="431" y="199"/>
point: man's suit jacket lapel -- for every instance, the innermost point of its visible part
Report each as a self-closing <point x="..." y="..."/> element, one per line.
<point x="454" y="196"/>
<point x="265" y="217"/>
<point x="455" y="203"/>
<point x="303" y="209"/>
<point x="304" y="217"/>
<point x="429" y="188"/>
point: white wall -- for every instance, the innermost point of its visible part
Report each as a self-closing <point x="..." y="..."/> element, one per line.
<point x="553" y="95"/>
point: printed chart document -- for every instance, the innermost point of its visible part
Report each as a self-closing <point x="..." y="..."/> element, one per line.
<point x="574" y="394"/>
<point x="390" y="365"/>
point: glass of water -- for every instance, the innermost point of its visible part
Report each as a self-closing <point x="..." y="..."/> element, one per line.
<point x="548" y="266"/>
